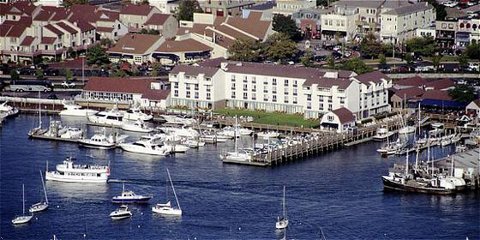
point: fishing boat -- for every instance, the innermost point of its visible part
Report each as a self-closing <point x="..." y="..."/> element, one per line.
<point x="42" y="205"/>
<point x="23" y="218"/>
<point x="128" y="196"/>
<point x="121" y="213"/>
<point x="73" y="110"/>
<point x="136" y="126"/>
<point x="282" y="221"/>
<point x="382" y="134"/>
<point x="113" y="117"/>
<point x="135" y="114"/>
<point x="146" y="147"/>
<point x="166" y="208"/>
<point x="69" y="172"/>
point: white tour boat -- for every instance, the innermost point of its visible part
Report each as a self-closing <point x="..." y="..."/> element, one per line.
<point x="73" y="110"/>
<point x="282" y="221"/>
<point x="7" y="111"/>
<point x="382" y="134"/>
<point x="113" y="117"/>
<point x="128" y="196"/>
<point x="146" y="147"/>
<point x="23" y="218"/>
<point x="121" y="213"/>
<point x="136" y="114"/>
<point x="69" y="172"/>
<point x="136" y="126"/>
<point x="166" y="208"/>
<point x="43" y="205"/>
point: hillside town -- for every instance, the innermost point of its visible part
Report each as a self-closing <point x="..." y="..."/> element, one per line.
<point x="328" y="89"/>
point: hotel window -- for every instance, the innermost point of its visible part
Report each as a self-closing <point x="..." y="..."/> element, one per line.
<point x="208" y="88"/>
<point x="329" y="107"/>
<point x="196" y="95"/>
<point x="295" y="100"/>
<point x="330" y="99"/>
<point x="245" y="88"/>
<point x="309" y="105"/>
<point x="175" y="85"/>
<point x="274" y="98"/>
<point x="330" y="118"/>
<point x="175" y="93"/>
<point x="342" y="100"/>
<point x="254" y="96"/>
<point x="286" y="92"/>
<point x="274" y="90"/>
<point x="233" y="86"/>
<point x="208" y="96"/>
<point x="187" y="86"/>
<point x="233" y="78"/>
<point x="320" y="98"/>
<point x="285" y="100"/>
<point x="245" y="79"/>
<point x="309" y="97"/>
<point x="254" y="88"/>
<point x="295" y="83"/>
<point x="265" y="90"/>
<point x="208" y="79"/>
<point x="265" y="97"/>
<point x="245" y="96"/>
<point x="196" y="87"/>
<point x="285" y="83"/>
<point x="233" y="94"/>
<point x="274" y="81"/>
<point x="320" y="107"/>
<point x="265" y="82"/>
<point x="294" y="92"/>
<point x="188" y="94"/>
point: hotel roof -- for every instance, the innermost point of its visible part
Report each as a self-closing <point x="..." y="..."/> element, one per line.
<point x="188" y="45"/>
<point x="135" y="43"/>
<point x="413" y="8"/>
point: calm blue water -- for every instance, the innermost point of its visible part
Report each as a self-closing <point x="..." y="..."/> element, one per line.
<point x="339" y="192"/>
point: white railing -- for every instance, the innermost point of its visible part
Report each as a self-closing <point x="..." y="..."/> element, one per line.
<point x="30" y="100"/>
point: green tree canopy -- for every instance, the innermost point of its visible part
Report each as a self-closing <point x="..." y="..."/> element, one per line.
<point x="307" y="58"/>
<point x="462" y="61"/>
<point x="369" y="47"/>
<point x="425" y="46"/>
<point x="382" y="59"/>
<point x="285" y="24"/>
<point x="97" y="55"/>
<point x="473" y="51"/>
<point x="39" y="74"/>
<point x="68" y="74"/>
<point x="356" y="65"/>
<point x="14" y="74"/>
<point x="279" y="47"/>
<point x="462" y="93"/>
<point x="436" y="61"/>
<point x="330" y="62"/>
<point x="245" y="50"/>
<point x="186" y="8"/>
<point x="408" y="58"/>
<point x="439" y="9"/>
<point x="68" y="3"/>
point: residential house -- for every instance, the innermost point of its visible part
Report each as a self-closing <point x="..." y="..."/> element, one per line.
<point x="400" y="24"/>
<point x="166" y="24"/>
<point x="223" y="8"/>
<point x="445" y="33"/>
<point x="309" y="21"/>
<point x="135" y="16"/>
<point x="135" y="48"/>
<point x="149" y="93"/>
<point x="473" y="108"/>
<point x="264" y="8"/>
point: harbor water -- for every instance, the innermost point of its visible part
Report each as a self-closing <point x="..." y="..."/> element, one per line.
<point x="339" y="193"/>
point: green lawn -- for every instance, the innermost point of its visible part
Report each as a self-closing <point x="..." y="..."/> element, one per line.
<point x="271" y="118"/>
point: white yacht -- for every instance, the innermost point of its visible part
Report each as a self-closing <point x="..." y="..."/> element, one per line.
<point x="193" y="143"/>
<point x="71" y="133"/>
<point x="268" y="134"/>
<point x="173" y="119"/>
<point x="121" y="213"/>
<point x="128" y="196"/>
<point x="23" y="218"/>
<point x="102" y="141"/>
<point x="136" y="114"/>
<point x="74" y="110"/>
<point x="177" y="148"/>
<point x="166" y="208"/>
<point x="146" y="147"/>
<point x="136" y="126"/>
<point x="42" y="205"/>
<point x="113" y="117"/>
<point x="382" y="134"/>
<point x="235" y="131"/>
<point x="69" y="172"/>
<point x="239" y="155"/>
<point x="7" y="111"/>
<point x="187" y="132"/>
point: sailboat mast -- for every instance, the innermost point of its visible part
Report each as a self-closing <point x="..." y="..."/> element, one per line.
<point x="39" y="112"/>
<point x="416" y="160"/>
<point x="406" y="164"/>
<point x="235" y="134"/>
<point x="23" y="198"/>
<point x="419" y="119"/>
<point x="44" y="188"/>
<point x="284" y="211"/>
<point x="173" y="188"/>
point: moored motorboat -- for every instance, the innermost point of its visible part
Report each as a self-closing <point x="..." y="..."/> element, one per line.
<point x="146" y="147"/>
<point x="121" y="213"/>
<point x="69" y="172"/>
<point x="73" y="110"/>
<point x="135" y="114"/>
<point x="382" y="134"/>
<point x="128" y="196"/>
<point x="268" y="134"/>
<point x="113" y="117"/>
<point x="136" y="126"/>
<point x="8" y="111"/>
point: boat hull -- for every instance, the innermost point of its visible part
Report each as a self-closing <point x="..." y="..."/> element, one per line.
<point x="143" y="200"/>
<point x="96" y="145"/>
<point x="135" y="149"/>
<point x="22" y="220"/>
<point x="120" y="216"/>
<point x="54" y="176"/>
<point x="38" y="207"/>
<point x="169" y="211"/>
<point x="396" y="186"/>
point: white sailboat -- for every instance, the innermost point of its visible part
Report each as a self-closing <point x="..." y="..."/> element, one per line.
<point x="43" y="205"/>
<point x="23" y="218"/>
<point x="236" y="155"/>
<point x="38" y="130"/>
<point x="282" y="222"/>
<point x="166" y="208"/>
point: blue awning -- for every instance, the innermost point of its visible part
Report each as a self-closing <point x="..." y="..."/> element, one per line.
<point x="442" y="103"/>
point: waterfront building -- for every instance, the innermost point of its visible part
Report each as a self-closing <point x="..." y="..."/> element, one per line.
<point x="401" y="98"/>
<point x="181" y="51"/>
<point x="288" y="7"/>
<point x="339" y="120"/>
<point x="445" y="33"/>
<point x="224" y="8"/>
<point x="473" y="108"/>
<point x="109" y="91"/>
<point x="135" y="48"/>
<point x="269" y="87"/>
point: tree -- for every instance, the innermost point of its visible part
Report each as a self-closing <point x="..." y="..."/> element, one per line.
<point x="245" y="50"/>
<point x="369" y="47"/>
<point x="356" y="65"/>
<point x="424" y="46"/>
<point x="119" y="73"/>
<point x="97" y="55"/>
<point x="280" y="47"/>
<point x="106" y="42"/>
<point x="382" y="59"/>
<point x="186" y="8"/>
<point x="439" y="9"/>
<point x="330" y="62"/>
<point x="285" y="24"/>
<point x="473" y="51"/>
<point x="462" y="61"/>
<point x="14" y="74"/>
<point x="462" y="93"/>
<point x="156" y="66"/>
<point x="69" y="3"/>
<point x="408" y="58"/>
<point x="436" y="61"/>
<point x="325" y="2"/>
<point x="143" y="31"/>
<point x="153" y="32"/>
<point x="39" y="74"/>
<point x="68" y="74"/>
<point x="307" y="58"/>
<point x="71" y="53"/>
<point x="145" y="2"/>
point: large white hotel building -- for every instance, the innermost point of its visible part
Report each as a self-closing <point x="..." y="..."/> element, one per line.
<point x="282" y="88"/>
